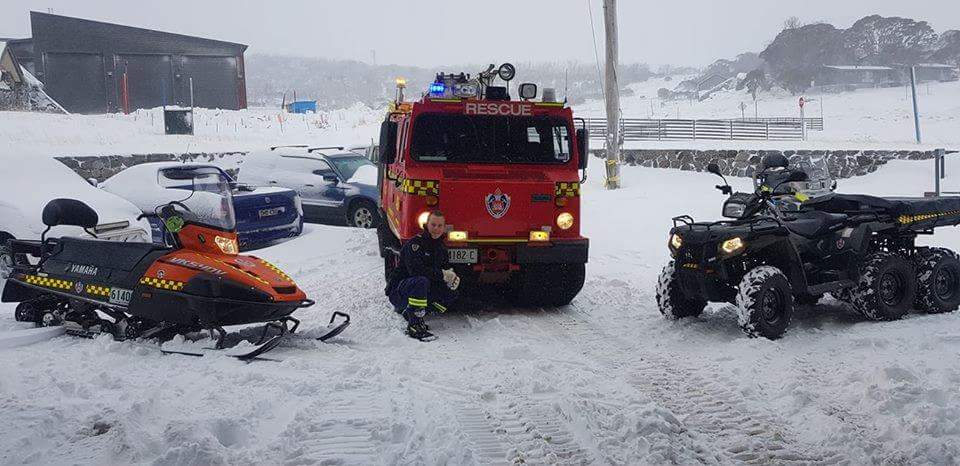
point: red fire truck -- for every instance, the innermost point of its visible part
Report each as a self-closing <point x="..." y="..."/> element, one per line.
<point x="506" y="174"/>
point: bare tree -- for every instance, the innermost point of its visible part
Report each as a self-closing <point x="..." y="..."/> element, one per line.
<point x="792" y="23"/>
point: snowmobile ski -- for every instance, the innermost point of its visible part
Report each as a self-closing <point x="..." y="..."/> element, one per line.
<point x="334" y="330"/>
<point x="28" y="336"/>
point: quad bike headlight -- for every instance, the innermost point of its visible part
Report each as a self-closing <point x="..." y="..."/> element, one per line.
<point x="732" y="246"/>
<point x="676" y="241"/>
<point x="227" y="245"/>
<point x="734" y="209"/>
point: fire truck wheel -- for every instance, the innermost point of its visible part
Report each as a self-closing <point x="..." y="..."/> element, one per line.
<point x="550" y="284"/>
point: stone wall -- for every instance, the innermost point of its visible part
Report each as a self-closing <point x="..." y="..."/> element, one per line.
<point x="105" y="166"/>
<point x="842" y="163"/>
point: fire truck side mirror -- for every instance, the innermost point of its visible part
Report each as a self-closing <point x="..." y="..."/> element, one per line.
<point x="583" y="146"/>
<point x="388" y="142"/>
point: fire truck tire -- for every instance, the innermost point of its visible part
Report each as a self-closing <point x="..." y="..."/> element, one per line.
<point x="386" y="240"/>
<point x="550" y="284"/>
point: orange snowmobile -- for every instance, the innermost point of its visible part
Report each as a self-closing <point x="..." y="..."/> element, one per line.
<point x="142" y="290"/>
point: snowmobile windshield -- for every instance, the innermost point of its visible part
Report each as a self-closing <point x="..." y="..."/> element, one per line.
<point x="810" y="177"/>
<point x="442" y="137"/>
<point x="205" y="191"/>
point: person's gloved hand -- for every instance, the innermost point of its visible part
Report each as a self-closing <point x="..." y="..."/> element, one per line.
<point x="448" y="276"/>
<point x="451" y="279"/>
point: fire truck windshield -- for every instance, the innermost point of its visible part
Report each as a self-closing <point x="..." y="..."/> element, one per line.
<point x="442" y="137"/>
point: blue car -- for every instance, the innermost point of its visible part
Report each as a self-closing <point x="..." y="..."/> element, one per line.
<point x="264" y="214"/>
<point x="336" y="186"/>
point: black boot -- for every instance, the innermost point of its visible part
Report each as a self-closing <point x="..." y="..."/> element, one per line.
<point x="416" y="327"/>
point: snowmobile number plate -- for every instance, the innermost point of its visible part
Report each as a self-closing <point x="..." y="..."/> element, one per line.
<point x="120" y="296"/>
<point x="463" y="256"/>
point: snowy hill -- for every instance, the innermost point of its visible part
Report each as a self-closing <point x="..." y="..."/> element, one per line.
<point x="605" y="380"/>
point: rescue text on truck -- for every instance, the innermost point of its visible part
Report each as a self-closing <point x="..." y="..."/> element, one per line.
<point x="507" y="175"/>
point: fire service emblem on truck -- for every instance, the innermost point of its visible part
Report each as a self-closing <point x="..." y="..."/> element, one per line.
<point x="497" y="203"/>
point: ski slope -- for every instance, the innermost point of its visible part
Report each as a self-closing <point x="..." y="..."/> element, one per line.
<point x="605" y="380"/>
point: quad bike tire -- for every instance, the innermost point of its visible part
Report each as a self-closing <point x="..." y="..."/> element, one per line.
<point x="765" y="302"/>
<point x="938" y="281"/>
<point x="887" y="287"/>
<point x="671" y="300"/>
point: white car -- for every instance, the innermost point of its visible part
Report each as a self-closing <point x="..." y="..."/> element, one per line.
<point x="31" y="182"/>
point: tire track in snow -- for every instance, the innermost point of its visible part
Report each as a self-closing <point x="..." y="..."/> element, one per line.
<point x="704" y="404"/>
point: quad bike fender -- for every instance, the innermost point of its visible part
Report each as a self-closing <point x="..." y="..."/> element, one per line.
<point x="783" y="255"/>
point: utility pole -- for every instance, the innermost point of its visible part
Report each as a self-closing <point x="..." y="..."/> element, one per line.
<point x="612" y="94"/>
<point x="916" y="110"/>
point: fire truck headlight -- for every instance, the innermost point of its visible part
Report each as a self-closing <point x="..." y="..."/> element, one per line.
<point x="422" y="219"/>
<point x="565" y="221"/>
<point x="539" y="235"/>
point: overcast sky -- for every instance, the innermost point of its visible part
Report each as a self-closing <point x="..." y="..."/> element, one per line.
<point x="433" y="33"/>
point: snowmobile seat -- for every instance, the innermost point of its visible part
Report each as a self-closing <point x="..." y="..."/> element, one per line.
<point x="815" y="223"/>
<point x="106" y="254"/>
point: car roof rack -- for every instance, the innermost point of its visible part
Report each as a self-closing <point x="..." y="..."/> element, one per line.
<point x="326" y="147"/>
<point x="289" y="145"/>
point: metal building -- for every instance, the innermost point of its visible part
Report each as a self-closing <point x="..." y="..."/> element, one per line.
<point x="94" y="67"/>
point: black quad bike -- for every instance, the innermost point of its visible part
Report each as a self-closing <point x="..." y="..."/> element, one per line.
<point x="794" y="239"/>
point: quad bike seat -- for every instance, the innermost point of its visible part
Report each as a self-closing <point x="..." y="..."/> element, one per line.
<point x="813" y="224"/>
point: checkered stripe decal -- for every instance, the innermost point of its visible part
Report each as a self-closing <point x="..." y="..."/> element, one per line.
<point x="97" y="290"/>
<point x="907" y="219"/>
<point x="48" y="282"/>
<point x="420" y="187"/>
<point x="162" y="284"/>
<point x="565" y="189"/>
<point x="276" y="269"/>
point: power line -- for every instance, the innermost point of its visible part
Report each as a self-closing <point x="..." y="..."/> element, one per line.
<point x="596" y="52"/>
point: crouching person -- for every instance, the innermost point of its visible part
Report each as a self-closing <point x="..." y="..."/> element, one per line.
<point x="423" y="280"/>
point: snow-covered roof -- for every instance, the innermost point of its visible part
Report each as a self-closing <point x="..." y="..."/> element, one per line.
<point x="858" y="67"/>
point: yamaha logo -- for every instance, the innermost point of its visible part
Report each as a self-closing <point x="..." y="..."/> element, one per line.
<point x="81" y="269"/>
<point x="497" y="204"/>
<point x="266" y="200"/>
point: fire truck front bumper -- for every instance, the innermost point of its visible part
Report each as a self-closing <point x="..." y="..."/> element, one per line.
<point x="557" y="252"/>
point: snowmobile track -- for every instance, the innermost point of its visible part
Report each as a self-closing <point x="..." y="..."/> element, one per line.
<point x="337" y="431"/>
<point x="516" y="430"/>
<point x="704" y="404"/>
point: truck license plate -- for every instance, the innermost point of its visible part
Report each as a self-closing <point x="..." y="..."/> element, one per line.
<point x="270" y="212"/>
<point x="462" y="256"/>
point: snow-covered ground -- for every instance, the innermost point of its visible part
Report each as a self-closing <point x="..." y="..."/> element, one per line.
<point x="865" y="119"/>
<point x="605" y="380"/>
<point x="142" y="131"/>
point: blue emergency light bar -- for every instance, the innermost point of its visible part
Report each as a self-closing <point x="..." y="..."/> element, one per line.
<point x="437" y="89"/>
